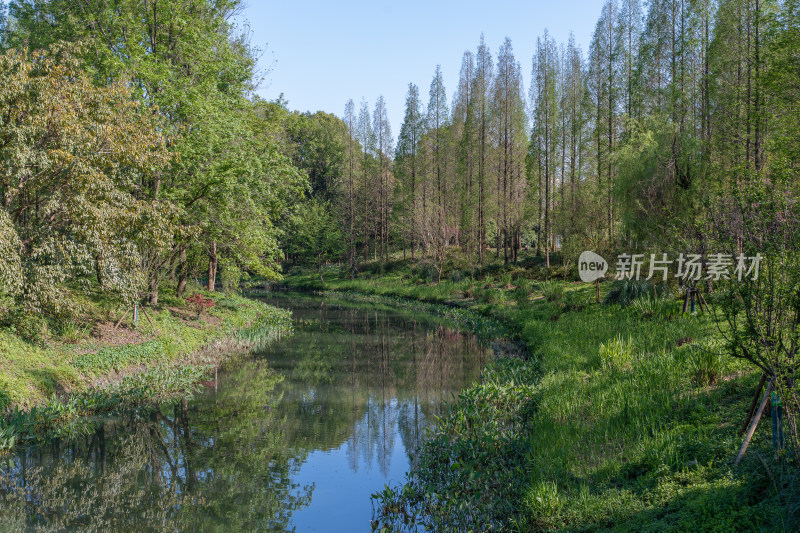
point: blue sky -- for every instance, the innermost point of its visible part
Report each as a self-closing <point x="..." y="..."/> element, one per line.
<point x="323" y="52"/>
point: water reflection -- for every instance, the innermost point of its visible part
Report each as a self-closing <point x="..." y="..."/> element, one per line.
<point x="295" y="438"/>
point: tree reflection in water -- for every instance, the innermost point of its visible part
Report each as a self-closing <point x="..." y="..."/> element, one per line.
<point x="353" y="380"/>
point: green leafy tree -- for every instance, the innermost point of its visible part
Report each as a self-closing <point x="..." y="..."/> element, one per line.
<point x="185" y="62"/>
<point x="316" y="234"/>
<point x="74" y="160"/>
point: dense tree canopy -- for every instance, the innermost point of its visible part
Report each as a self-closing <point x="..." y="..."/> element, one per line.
<point x="74" y="160"/>
<point x="189" y="169"/>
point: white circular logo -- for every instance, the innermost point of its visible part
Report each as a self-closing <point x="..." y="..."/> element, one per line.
<point x="591" y="267"/>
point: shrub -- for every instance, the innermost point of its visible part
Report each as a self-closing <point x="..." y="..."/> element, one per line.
<point x="479" y="294"/>
<point x="199" y="304"/>
<point x="705" y="363"/>
<point x="616" y="354"/>
<point x="469" y="290"/>
<point x="551" y="290"/>
<point x="30" y="327"/>
<point x="456" y="276"/>
<point x="426" y="272"/>
<point x="522" y="296"/>
<point x="494" y="296"/>
<point x="71" y="332"/>
<point x="575" y="301"/>
<point x="625" y="291"/>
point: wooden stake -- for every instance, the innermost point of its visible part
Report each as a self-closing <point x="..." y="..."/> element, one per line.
<point x="123" y="318"/>
<point x="753" y="404"/>
<point x="703" y="304"/>
<point x="148" y="317"/>
<point x="751" y="431"/>
<point x="597" y="284"/>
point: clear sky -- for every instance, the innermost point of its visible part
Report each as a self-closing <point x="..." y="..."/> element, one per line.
<point x="321" y="53"/>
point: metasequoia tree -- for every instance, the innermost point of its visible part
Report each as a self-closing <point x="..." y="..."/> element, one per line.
<point x="407" y="164"/>
<point x="509" y="126"/>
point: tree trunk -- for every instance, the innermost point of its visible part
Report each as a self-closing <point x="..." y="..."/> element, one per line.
<point x="98" y="271"/>
<point x="182" y="273"/>
<point x="153" y="299"/>
<point x="212" y="267"/>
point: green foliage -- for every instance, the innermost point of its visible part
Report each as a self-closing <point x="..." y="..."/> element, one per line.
<point x="706" y="363"/>
<point x="318" y="148"/>
<point x="522" y="294"/>
<point x="71" y="332"/>
<point x="542" y="500"/>
<point x="8" y="438"/>
<point x="471" y="467"/>
<point x="551" y="290"/>
<point x="616" y="354"/>
<point x="232" y="276"/>
<point x="625" y="291"/>
<point x="267" y="328"/>
<point x="118" y="357"/>
<point x="651" y="307"/>
<point x="315" y="234"/>
<point x="91" y="146"/>
<point x="576" y="301"/>
<point x="30" y="327"/>
<point x="121" y="207"/>
<point x="456" y="276"/>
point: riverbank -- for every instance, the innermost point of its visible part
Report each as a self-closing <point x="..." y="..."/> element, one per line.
<point x="61" y="380"/>
<point x="625" y="418"/>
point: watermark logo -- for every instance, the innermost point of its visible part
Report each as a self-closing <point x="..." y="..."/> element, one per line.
<point x="689" y="267"/>
<point x="591" y="267"/>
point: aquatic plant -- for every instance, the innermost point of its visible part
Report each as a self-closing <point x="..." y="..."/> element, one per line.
<point x="472" y="466"/>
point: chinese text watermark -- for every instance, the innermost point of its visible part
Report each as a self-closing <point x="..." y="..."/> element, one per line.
<point x="688" y="267"/>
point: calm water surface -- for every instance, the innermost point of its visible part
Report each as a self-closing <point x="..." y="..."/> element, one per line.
<point x="292" y="439"/>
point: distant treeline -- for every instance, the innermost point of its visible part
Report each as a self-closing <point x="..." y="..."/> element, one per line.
<point x="658" y="137"/>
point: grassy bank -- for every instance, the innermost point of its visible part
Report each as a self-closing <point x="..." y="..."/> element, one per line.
<point x="624" y="418"/>
<point x="71" y="371"/>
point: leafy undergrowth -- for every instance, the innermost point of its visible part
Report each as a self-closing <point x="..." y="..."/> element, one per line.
<point x="63" y="390"/>
<point x="151" y="360"/>
<point x="623" y="418"/>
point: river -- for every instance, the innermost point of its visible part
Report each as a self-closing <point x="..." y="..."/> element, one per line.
<point x="294" y="438"/>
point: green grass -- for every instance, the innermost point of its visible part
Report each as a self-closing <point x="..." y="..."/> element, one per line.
<point x="623" y="418"/>
<point x="71" y="361"/>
